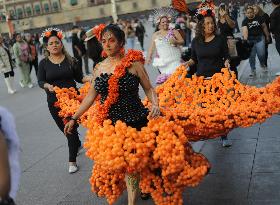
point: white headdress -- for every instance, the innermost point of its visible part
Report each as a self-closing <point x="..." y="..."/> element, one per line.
<point x="158" y="13"/>
<point x="52" y="32"/>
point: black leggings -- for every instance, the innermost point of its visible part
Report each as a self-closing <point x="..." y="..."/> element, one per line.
<point x="9" y="74"/>
<point x="141" y="41"/>
<point x="35" y="64"/>
<point x="73" y="139"/>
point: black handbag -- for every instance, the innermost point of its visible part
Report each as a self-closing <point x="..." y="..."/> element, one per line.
<point x="243" y="48"/>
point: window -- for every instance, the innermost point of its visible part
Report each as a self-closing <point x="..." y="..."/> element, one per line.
<point x="154" y="2"/>
<point x="28" y="11"/>
<point x="2" y="17"/>
<point x="55" y="6"/>
<point x="37" y="9"/>
<point x="19" y="13"/>
<point x="101" y="11"/>
<point x="135" y="5"/>
<point x="46" y="8"/>
<point x="73" y="2"/>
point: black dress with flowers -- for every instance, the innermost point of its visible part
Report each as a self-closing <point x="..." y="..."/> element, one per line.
<point x="129" y="107"/>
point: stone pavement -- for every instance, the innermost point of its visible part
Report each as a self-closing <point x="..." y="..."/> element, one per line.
<point x="248" y="173"/>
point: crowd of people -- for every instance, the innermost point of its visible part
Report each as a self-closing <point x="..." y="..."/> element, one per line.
<point x="210" y="36"/>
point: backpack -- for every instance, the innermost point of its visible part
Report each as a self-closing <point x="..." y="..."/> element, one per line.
<point x="24" y="52"/>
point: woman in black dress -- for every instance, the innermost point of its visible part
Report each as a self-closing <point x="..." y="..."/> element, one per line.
<point x="59" y="69"/>
<point x="209" y="51"/>
<point x="128" y="107"/>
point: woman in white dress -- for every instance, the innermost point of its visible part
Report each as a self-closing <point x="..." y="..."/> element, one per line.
<point x="167" y="43"/>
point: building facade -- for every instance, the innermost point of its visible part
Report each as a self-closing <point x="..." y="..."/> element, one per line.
<point x="31" y="14"/>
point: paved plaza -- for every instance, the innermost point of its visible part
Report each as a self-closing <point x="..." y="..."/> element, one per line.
<point x="248" y="173"/>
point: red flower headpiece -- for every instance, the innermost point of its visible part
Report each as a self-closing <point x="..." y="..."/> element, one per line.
<point x="97" y="30"/>
<point x="52" y="32"/>
<point x="203" y="12"/>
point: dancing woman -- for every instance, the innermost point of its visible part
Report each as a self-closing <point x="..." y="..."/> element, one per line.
<point x="59" y="69"/>
<point x="166" y="43"/>
<point x="209" y="51"/>
<point x="128" y="107"/>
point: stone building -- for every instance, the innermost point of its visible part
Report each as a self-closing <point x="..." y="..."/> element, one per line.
<point x="31" y="14"/>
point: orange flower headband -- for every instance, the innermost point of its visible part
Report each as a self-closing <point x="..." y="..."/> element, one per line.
<point x="97" y="30"/>
<point x="51" y="32"/>
<point x="203" y="12"/>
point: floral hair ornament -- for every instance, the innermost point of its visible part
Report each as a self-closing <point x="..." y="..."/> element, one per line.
<point x="159" y="13"/>
<point x="204" y="12"/>
<point x="180" y="5"/>
<point x="97" y="30"/>
<point x="52" y="32"/>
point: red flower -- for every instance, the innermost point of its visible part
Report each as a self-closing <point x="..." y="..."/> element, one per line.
<point x="97" y="30"/>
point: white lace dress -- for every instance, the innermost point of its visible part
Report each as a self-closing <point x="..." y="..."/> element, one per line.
<point x="168" y="56"/>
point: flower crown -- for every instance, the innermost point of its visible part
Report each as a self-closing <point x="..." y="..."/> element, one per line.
<point x="97" y="30"/>
<point x="159" y="13"/>
<point x="51" y="32"/>
<point x="204" y="12"/>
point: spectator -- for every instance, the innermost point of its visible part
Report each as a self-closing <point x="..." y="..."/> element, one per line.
<point x="130" y="35"/>
<point x="84" y="50"/>
<point x="23" y="57"/>
<point x="140" y="33"/>
<point x="6" y="66"/>
<point x="94" y="48"/>
<point x="33" y="52"/>
<point x="193" y="24"/>
<point x="9" y="163"/>
<point x="234" y="16"/>
<point x="226" y="27"/>
<point x="274" y="23"/>
<point x="266" y="20"/>
<point x="255" y="31"/>
<point x="76" y="47"/>
<point x="37" y="43"/>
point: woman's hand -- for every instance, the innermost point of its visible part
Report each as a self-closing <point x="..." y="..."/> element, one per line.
<point x="222" y="12"/>
<point x="68" y="127"/>
<point x="186" y="64"/>
<point x="148" y="60"/>
<point x="87" y="78"/>
<point x="155" y="111"/>
<point x="172" y="41"/>
<point x="50" y="88"/>
<point x="227" y="64"/>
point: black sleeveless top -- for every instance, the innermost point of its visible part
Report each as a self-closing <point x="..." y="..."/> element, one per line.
<point x="128" y="107"/>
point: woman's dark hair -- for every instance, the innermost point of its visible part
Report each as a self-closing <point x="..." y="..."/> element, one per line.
<point x="117" y="31"/>
<point x="94" y="50"/>
<point x="276" y="2"/>
<point x="53" y="33"/>
<point x="64" y="51"/>
<point x="199" y="33"/>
